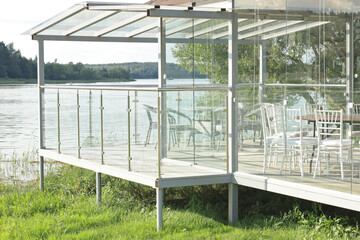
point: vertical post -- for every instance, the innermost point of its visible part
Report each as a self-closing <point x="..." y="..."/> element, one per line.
<point x="101" y="127"/>
<point x="41" y="82"/>
<point x="161" y="116"/>
<point x="78" y="121"/>
<point x="90" y="122"/>
<point x="98" y="187"/>
<point x="58" y="120"/>
<point x="262" y="71"/>
<point x="162" y="83"/>
<point x="232" y="115"/>
<point x="159" y="207"/>
<point x="135" y="118"/>
<point x="349" y="63"/>
<point x="129" y="136"/>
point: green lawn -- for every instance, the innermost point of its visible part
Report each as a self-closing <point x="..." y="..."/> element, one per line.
<point x="67" y="209"/>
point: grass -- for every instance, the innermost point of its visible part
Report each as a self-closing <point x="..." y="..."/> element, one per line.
<point x="67" y="209"/>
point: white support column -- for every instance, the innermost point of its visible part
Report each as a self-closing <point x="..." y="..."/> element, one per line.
<point x="41" y="82"/>
<point x="349" y="62"/>
<point x="98" y="188"/>
<point x="161" y="84"/>
<point x="262" y="71"/>
<point x="233" y="115"/>
<point x="159" y="208"/>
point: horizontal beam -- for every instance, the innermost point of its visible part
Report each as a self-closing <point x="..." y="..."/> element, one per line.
<point x="303" y="191"/>
<point x="188" y="14"/>
<point x="131" y="40"/>
<point x="194" y="180"/>
<point x="96" y="166"/>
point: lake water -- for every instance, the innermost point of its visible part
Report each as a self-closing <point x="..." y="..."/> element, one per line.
<point x="19" y="115"/>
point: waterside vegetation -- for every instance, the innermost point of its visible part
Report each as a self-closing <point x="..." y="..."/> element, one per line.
<point x="67" y="209"/>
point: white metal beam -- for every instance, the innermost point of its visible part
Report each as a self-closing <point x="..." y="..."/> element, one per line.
<point x="303" y="191"/>
<point x="121" y="24"/>
<point x="269" y="29"/>
<point x="244" y="28"/>
<point x="89" y="22"/>
<point x="141" y="30"/>
<point x="293" y="30"/>
<point x="188" y="14"/>
<point x="57" y="19"/>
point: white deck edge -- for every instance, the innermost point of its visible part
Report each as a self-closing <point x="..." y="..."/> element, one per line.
<point x="98" y="167"/>
<point x="302" y="191"/>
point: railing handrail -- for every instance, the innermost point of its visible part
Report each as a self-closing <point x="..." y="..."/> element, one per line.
<point x="151" y="88"/>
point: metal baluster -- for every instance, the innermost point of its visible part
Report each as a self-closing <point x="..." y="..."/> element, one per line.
<point x="102" y="127"/>
<point x="227" y="132"/>
<point x="78" y="121"/>
<point x="129" y="136"/>
<point x="159" y="133"/>
<point x="58" y="119"/>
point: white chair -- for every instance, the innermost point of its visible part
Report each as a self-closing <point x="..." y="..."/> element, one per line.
<point x="295" y="140"/>
<point x="283" y="134"/>
<point x="329" y="124"/>
<point x="356" y="126"/>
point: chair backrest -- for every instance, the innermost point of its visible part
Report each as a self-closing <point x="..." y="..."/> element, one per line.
<point x="149" y="110"/>
<point x="356" y="109"/>
<point x="293" y="122"/>
<point x="329" y="124"/>
<point x="309" y="109"/>
<point x="272" y="120"/>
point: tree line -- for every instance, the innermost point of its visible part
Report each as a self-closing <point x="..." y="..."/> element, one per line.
<point x="14" y="66"/>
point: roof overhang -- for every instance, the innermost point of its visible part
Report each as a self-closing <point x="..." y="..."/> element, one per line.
<point x="121" y="22"/>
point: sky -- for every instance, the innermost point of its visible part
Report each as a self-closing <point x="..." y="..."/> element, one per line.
<point x="18" y="16"/>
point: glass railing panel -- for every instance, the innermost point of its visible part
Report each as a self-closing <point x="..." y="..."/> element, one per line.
<point x="49" y="123"/>
<point x="143" y="131"/>
<point x="90" y="135"/>
<point x="68" y="120"/>
<point x="115" y="122"/>
<point x="196" y="130"/>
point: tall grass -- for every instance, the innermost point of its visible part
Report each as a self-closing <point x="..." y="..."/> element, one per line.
<point x="67" y="209"/>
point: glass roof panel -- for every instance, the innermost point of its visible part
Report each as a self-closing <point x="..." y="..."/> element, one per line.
<point x="143" y="25"/>
<point x="110" y="21"/>
<point x="76" y="19"/>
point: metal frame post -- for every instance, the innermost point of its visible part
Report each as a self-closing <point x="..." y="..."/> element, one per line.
<point x="41" y="82"/>
<point x="349" y="63"/>
<point x="101" y="127"/>
<point x="98" y="188"/>
<point x="262" y="71"/>
<point x="159" y="208"/>
<point x="58" y="121"/>
<point x="78" y="122"/>
<point x="129" y="129"/>
<point x="162" y="150"/>
<point x="162" y="83"/>
<point x="232" y="116"/>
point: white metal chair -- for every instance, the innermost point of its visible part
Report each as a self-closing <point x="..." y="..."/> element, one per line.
<point x="329" y="124"/>
<point x="295" y="140"/>
<point x="356" y="126"/>
<point x="283" y="134"/>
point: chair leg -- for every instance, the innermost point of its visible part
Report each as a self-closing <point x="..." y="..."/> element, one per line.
<point x="341" y="164"/>
<point x="317" y="162"/>
<point x="265" y="157"/>
<point x="147" y="140"/>
<point x="283" y="160"/>
<point x="301" y="162"/>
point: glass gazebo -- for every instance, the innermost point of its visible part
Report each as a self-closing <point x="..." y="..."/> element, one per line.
<point x="272" y="102"/>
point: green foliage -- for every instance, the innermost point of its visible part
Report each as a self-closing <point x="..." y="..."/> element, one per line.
<point x="67" y="209"/>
